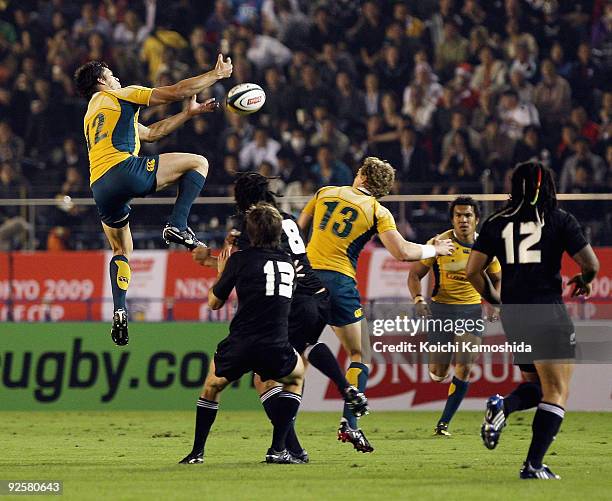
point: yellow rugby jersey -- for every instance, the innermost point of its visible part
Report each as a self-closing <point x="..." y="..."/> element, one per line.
<point x="451" y="285"/>
<point x="111" y="127"/>
<point x="344" y="220"/>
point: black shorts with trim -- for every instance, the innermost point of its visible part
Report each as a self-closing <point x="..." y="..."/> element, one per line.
<point x="236" y="357"/>
<point x="135" y="177"/>
<point x="307" y="318"/>
<point x="547" y="328"/>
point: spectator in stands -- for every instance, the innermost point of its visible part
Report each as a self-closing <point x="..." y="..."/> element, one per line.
<point x="328" y="171"/>
<point x="496" y="148"/>
<point x="89" y="23"/>
<point x="419" y="108"/>
<point x="373" y="96"/>
<point x="515" y="116"/>
<point x="460" y="162"/>
<point x="523" y="88"/>
<point x="584" y="76"/>
<point x="525" y="62"/>
<point x="584" y="126"/>
<point x="452" y="51"/>
<point x="368" y="33"/>
<point x="484" y="112"/>
<point x="349" y="102"/>
<point x="329" y="134"/>
<point x="552" y="97"/>
<point x="333" y="61"/>
<point x="412" y="163"/>
<point x="263" y="50"/>
<point x="490" y="74"/>
<point x="459" y="123"/>
<point x="219" y="20"/>
<point x="583" y="156"/>
<point x="428" y="82"/>
<point x="565" y="148"/>
<point x="530" y="148"/>
<point x="261" y="148"/>
<point x="11" y="146"/>
<point x="323" y="30"/>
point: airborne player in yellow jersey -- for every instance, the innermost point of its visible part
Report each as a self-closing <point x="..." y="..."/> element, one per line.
<point x="453" y="298"/>
<point x="344" y="219"/>
<point x="118" y="174"/>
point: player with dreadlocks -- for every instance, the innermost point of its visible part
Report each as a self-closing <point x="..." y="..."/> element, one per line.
<point x="529" y="237"/>
<point x="309" y="312"/>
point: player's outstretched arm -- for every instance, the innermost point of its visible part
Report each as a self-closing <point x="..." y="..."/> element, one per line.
<point x="191" y="86"/>
<point x="403" y="250"/>
<point x="158" y="130"/>
<point x="477" y="276"/>
<point x="589" y="267"/>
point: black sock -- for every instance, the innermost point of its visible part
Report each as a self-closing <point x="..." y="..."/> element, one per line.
<point x="321" y="357"/>
<point x="190" y="186"/>
<point x="287" y="405"/>
<point x="524" y="396"/>
<point x="206" y="412"/>
<point x="120" y="275"/>
<point x="269" y="400"/>
<point x="546" y="424"/>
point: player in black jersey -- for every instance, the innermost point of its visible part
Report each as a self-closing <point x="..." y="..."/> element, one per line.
<point x="309" y="306"/>
<point x="263" y="276"/>
<point x="529" y="237"/>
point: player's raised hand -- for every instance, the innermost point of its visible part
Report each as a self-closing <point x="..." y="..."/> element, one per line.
<point x="232" y="237"/>
<point x="223" y="68"/>
<point x="224" y="255"/>
<point x="443" y="247"/>
<point x="194" y="108"/>
<point x="581" y="288"/>
<point x="200" y="255"/>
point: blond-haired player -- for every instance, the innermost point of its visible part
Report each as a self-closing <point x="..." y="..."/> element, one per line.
<point x="344" y="219"/>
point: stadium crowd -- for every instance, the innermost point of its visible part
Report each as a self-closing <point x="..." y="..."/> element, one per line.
<point x="452" y="93"/>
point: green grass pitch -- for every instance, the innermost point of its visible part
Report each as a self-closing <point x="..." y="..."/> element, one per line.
<point x="133" y="455"/>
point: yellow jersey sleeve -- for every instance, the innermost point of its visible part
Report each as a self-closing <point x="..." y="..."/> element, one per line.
<point x="133" y="94"/>
<point x="384" y="219"/>
<point x="312" y="203"/>
<point x="494" y="267"/>
<point x="429" y="262"/>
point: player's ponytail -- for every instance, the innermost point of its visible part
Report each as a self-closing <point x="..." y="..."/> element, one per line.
<point x="533" y="186"/>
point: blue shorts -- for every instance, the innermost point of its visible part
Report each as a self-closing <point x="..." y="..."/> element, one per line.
<point x="134" y="177"/>
<point x="344" y="297"/>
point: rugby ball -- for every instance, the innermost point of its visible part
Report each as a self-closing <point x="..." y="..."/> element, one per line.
<point x="245" y="98"/>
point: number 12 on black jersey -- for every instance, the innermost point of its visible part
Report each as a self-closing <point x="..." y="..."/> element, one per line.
<point x="286" y="274"/>
<point x="526" y="255"/>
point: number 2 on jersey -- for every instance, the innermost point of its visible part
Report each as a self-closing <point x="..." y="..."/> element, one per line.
<point x="286" y="273"/>
<point x="350" y="213"/>
<point x="525" y="254"/>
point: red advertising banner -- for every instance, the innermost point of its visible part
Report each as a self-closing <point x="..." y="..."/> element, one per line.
<point x="48" y="286"/>
<point x="187" y="285"/>
<point x="51" y="286"/>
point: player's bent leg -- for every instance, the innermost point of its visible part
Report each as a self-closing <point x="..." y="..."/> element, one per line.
<point x="555" y="378"/>
<point x="189" y="171"/>
<point x="525" y="396"/>
<point x="324" y="360"/>
<point x="120" y="239"/>
<point x="206" y="412"/>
